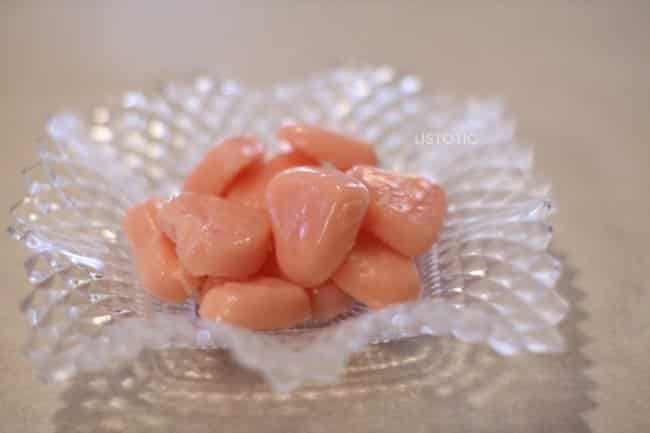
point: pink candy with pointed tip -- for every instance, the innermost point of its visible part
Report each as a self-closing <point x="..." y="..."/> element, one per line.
<point x="406" y="212"/>
<point x="262" y="303"/>
<point x="324" y="145"/>
<point x="156" y="262"/>
<point x="378" y="276"/>
<point x="222" y="164"/>
<point x="216" y="237"/>
<point x="315" y="214"/>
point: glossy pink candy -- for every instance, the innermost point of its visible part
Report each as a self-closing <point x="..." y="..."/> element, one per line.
<point x="216" y="237"/>
<point x="156" y="262"/>
<point x="315" y="214"/>
<point x="378" y="276"/>
<point x="262" y="303"/>
<point x="324" y="145"/>
<point x="222" y="164"/>
<point x="406" y="212"/>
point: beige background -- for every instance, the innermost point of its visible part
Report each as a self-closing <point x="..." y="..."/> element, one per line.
<point x="576" y="75"/>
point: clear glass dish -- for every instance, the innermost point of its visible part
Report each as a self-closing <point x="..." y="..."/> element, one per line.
<point x="490" y="278"/>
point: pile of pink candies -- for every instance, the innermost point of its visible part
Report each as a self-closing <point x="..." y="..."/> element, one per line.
<point x="269" y="244"/>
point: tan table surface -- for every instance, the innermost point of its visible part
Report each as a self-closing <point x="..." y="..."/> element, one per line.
<point x="576" y="75"/>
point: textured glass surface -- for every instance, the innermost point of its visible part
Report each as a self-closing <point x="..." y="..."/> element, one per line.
<point x="490" y="278"/>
